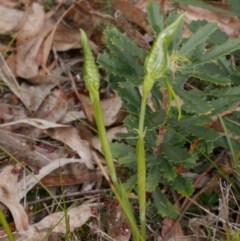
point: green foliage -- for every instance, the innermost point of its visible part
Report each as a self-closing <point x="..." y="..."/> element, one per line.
<point x="203" y="57"/>
<point x="235" y="6"/>
<point x="202" y="4"/>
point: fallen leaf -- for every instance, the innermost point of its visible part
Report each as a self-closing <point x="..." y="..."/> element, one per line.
<point x="53" y="109"/>
<point x="167" y="228"/>
<point x="38" y="123"/>
<point x="66" y="38"/>
<point x="9" y="19"/>
<point x="10" y="113"/>
<point x="28" y="59"/>
<point x="11" y="82"/>
<point x="132" y="13"/>
<point x="31" y="180"/>
<point x="9" y="196"/>
<point x="77" y="217"/>
<point x="36" y="94"/>
<point x="78" y="177"/>
<point x="69" y="135"/>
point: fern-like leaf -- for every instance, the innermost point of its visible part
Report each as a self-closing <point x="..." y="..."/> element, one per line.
<point x="197" y="39"/>
<point x="164" y="207"/>
<point x="155" y="18"/>
<point x="220" y="50"/>
<point x="177" y="155"/>
<point x="183" y="186"/>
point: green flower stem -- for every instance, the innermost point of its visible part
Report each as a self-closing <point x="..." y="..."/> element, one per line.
<point x="142" y="166"/>
<point x="117" y="187"/>
<point x="92" y="83"/>
<point x="6" y="226"/>
<point x="103" y="138"/>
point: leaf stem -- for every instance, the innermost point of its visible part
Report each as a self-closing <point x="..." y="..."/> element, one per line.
<point x="142" y="166"/>
<point x="117" y="187"/>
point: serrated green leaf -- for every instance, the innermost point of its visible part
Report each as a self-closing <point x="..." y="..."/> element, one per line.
<point x="173" y="138"/>
<point x="202" y="132"/>
<point x="225" y="65"/>
<point x="233" y="124"/>
<point x="220" y="50"/>
<point x="204" y="5"/>
<point x="153" y="177"/>
<point x="183" y="185"/>
<point x="217" y="37"/>
<point x="131" y="122"/>
<point x="164" y="207"/>
<point x="222" y="104"/>
<point x="197" y="39"/>
<point x="235" y="6"/>
<point x="168" y="170"/>
<point x="197" y="120"/>
<point x="130" y="95"/>
<point x="177" y="155"/>
<point x="125" y="154"/>
<point x="155" y="119"/>
<point x="155" y="18"/>
<point x="197" y="52"/>
<point x="115" y="65"/>
<point x="232" y="92"/>
<point x="209" y="72"/>
<point x="193" y="103"/>
<point x="222" y="141"/>
<point x="130" y="184"/>
<point x="121" y="40"/>
<point x="128" y="59"/>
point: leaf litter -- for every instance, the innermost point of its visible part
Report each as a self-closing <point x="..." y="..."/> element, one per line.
<point x="41" y="141"/>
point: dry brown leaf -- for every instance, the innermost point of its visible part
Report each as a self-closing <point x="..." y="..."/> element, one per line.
<point x="11" y="82"/>
<point x="77" y="217"/>
<point x="31" y="180"/>
<point x="17" y="145"/>
<point x="111" y="108"/>
<point x="72" y="178"/>
<point x="51" y="111"/>
<point x="36" y="94"/>
<point x="9" y="19"/>
<point x="38" y="123"/>
<point x="69" y="135"/>
<point x="167" y="228"/>
<point x="28" y="56"/>
<point x="10" y="113"/>
<point x="66" y="38"/>
<point x="9" y="196"/>
<point x="31" y="24"/>
<point x="230" y="24"/>
<point x="72" y="116"/>
<point x="132" y="13"/>
<point x="87" y="106"/>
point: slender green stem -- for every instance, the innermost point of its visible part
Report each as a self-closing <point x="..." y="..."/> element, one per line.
<point x="103" y="138"/>
<point x="6" y="226"/>
<point x="142" y="167"/>
<point x="117" y="187"/>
